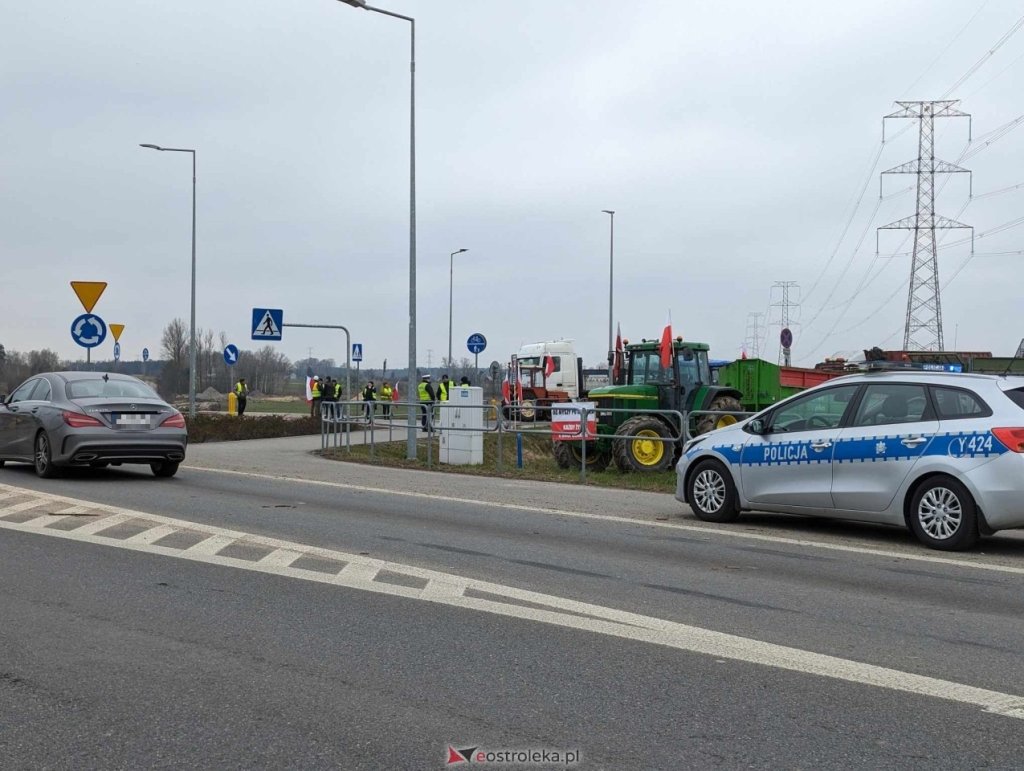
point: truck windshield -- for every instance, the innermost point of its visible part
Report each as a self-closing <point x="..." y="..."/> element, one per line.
<point x="646" y="368"/>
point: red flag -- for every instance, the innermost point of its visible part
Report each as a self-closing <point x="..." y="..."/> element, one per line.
<point x="506" y="389"/>
<point x="666" y="344"/>
<point x="617" y="360"/>
<point x="549" y="366"/>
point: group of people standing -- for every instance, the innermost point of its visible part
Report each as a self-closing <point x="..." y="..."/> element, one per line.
<point x="428" y="395"/>
<point x="329" y="390"/>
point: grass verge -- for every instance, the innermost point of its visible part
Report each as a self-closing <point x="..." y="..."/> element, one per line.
<point x="538" y="463"/>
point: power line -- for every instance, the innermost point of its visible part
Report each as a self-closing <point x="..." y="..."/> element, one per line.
<point x="946" y="48"/>
<point x="988" y="55"/>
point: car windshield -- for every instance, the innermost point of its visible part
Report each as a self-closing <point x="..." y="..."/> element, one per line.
<point x="99" y="388"/>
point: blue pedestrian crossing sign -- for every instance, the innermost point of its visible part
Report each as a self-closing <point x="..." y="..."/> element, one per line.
<point x="357" y="351"/>
<point x="117" y="352"/>
<point x="145" y="354"/>
<point x="88" y="330"/>
<point x="230" y="355"/>
<point x="476" y="343"/>
<point x="267" y="323"/>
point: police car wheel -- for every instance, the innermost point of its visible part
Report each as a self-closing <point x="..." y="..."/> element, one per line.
<point x="943" y="515"/>
<point x="711" y="493"/>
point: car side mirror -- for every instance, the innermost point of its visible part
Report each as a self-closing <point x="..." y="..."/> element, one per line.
<point x="758" y="426"/>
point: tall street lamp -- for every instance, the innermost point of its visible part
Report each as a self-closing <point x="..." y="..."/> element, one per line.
<point x="451" y="275"/>
<point x="192" y="321"/>
<point x="611" y="287"/>
<point x="410" y="448"/>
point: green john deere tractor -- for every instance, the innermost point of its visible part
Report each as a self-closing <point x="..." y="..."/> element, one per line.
<point x="644" y="384"/>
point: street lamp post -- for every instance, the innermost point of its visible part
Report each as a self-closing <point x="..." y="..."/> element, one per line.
<point x="451" y="276"/>
<point x="411" y="433"/>
<point x="192" y="320"/>
<point x="611" y="287"/>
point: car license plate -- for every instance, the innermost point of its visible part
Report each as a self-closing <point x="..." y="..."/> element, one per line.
<point x="132" y="421"/>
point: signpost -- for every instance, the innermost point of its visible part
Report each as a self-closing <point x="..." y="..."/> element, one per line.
<point x="145" y="358"/>
<point x="117" y="352"/>
<point x="230" y="355"/>
<point x="357" y="354"/>
<point x="476" y="345"/>
<point x="116" y="330"/>
<point x="88" y="331"/>
<point x="267" y="323"/>
<point x="88" y="293"/>
<point x="786" y="338"/>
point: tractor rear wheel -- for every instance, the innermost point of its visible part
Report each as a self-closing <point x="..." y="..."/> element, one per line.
<point x="644" y="444"/>
<point x="570" y="455"/>
<point x="528" y="410"/>
<point x="707" y="423"/>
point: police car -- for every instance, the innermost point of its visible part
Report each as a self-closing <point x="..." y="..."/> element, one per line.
<point x="940" y="453"/>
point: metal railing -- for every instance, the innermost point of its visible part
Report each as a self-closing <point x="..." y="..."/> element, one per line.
<point x="339" y="419"/>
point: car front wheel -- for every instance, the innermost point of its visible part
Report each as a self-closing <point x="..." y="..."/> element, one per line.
<point x="943" y="515"/>
<point x="42" y="458"/>
<point x="711" y="493"/>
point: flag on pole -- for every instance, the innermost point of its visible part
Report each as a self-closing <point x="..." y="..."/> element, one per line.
<point x="666" y="344"/>
<point x="617" y="361"/>
<point x="506" y="389"/>
<point x="549" y="366"/>
<point x="309" y="385"/>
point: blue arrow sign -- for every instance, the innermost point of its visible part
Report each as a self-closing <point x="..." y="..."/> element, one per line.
<point x="117" y="352"/>
<point x="357" y="351"/>
<point x="145" y="354"/>
<point x="230" y="355"/>
<point x="267" y="323"/>
<point x="88" y="330"/>
<point x="476" y="343"/>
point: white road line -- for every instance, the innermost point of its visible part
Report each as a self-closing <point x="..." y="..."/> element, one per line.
<point x="97" y="525"/>
<point x="153" y="535"/>
<point x="14" y="508"/>
<point x="279" y="558"/>
<point x="43" y="521"/>
<point x="211" y="545"/>
<point x="703" y="530"/>
<point x="448" y="589"/>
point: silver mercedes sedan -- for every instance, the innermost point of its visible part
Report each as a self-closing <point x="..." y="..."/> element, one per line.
<point x="91" y="419"/>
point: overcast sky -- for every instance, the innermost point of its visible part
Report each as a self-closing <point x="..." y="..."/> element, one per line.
<point x="731" y="138"/>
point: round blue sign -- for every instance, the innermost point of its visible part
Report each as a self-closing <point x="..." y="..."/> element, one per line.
<point x="476" y="343"/>
<point x="145" y="354"/>
<point x="117" y="352"/>
<point x="231" y="355"/>
<point x="88" y="330"/>
<point x="786" y="338"/>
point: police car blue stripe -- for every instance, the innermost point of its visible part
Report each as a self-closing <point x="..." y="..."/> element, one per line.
<point x="875" y="449"/>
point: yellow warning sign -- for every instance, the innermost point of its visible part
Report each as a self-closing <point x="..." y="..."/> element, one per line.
<point x="116" y="330"/>
<point x="88" y="292"/>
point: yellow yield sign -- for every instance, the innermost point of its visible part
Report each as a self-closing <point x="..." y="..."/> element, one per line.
<point x="89" y="293"/>
<point x="116" y="330"/>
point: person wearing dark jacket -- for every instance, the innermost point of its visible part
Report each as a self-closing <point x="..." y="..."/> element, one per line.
<point x="370" y="396"/>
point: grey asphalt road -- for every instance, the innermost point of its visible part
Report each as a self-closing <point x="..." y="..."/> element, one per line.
<point x="118" y="659"/>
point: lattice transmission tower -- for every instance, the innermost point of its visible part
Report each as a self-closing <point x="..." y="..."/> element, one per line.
<point x="752" y="341"/>
<point x="788" y="294"/>
<point x="923" y="330"/>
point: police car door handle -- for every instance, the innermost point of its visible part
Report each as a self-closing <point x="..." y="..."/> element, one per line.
<point x="822" y="445"/>
<point x="913" y="441"/>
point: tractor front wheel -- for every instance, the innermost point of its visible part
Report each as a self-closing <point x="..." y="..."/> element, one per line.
<point x="644" y="444"/>
<point x="707" y="423"/>
<point x="570" y="455"/>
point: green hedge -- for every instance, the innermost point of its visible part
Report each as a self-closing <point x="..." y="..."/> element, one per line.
<point x="226" y="428"/>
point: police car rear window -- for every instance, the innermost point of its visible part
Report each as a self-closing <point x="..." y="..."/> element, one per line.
<point x="1016" y="396"/>
<point x="953" y="403"/>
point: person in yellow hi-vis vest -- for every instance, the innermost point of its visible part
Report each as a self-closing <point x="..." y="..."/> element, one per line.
<point x="386" y="393"/>
<point x="314" y="405"/>
<point x="443" y="388"/>
<point x="425" y="393"/>
<point x="242" y="394"/>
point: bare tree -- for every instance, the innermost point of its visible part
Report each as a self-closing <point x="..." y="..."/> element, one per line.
<point x="174" y="345"/>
